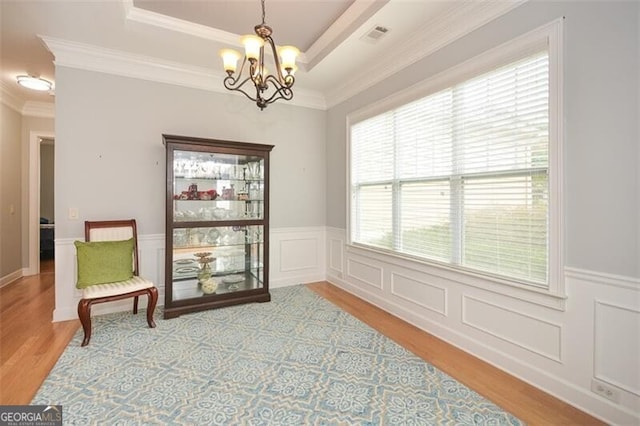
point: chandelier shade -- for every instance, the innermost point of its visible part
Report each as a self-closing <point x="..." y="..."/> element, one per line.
<point x="253" y="79"/>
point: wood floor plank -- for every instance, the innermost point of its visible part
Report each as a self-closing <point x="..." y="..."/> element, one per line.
<point x="30" y="344"/>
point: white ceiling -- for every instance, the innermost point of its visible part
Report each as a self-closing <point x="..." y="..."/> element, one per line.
<point x="184" y="36"/>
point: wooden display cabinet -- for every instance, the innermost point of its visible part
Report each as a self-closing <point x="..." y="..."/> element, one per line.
<point x="217" y="224"/>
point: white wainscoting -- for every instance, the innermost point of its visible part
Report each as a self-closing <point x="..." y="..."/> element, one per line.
<point x="617" y="345"/>
<point x="297" y="256"/>
<point x="561" y="348"/>
<point x="541" y="337"/>
<point x="150" y="262"/>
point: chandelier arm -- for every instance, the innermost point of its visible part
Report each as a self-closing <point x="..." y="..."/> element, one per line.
<point x="281" y="91"/>
<point x="261" y="66"/>
<point x="244" y="62"/>
<point x="281" y="76"/>
<point x="277" y="96"/>
<point x="232" y="84"/>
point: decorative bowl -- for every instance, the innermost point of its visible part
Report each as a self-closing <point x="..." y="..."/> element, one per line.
<point x="209" y="286"/>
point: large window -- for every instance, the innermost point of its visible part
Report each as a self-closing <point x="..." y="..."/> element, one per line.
<point x="461" y="176"/>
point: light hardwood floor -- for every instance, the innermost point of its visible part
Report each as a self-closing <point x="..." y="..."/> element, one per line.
<point x="30" y="345"/>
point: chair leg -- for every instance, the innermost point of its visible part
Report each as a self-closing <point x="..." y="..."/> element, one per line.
<point x="84" y="313"/>
<point x="152" y="299"/>
<point x="135" y="305"/>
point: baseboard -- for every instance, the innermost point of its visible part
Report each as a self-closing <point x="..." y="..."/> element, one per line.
<point x="9" y="278"/>
<point x="302" y="279"/>
<point x="64" y="314"/>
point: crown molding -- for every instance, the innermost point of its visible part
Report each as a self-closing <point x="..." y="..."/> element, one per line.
<point x="39" y="109"/>
<point x="93" y="58"/>
<point x="10" y="98"/>
<point x="136" y="14"/>
<point x="143" y="16"/>
<point x="458" y="22"/>
<point x="340" y="29"/>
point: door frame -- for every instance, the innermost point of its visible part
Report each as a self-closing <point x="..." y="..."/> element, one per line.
<point x="35" y="140"/>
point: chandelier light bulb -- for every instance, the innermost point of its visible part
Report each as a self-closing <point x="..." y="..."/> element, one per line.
<point x="252" y="45"/>
<point x="34" y="83"/>
<point x="288" y="55"/>
<point x="230" y="59"/>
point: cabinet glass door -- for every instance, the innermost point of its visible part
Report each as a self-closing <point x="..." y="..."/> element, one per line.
<point x="217" y="187"/>
<point x="217" y="260"/>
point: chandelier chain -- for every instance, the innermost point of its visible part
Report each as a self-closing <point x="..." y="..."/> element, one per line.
<point x="263" y="14"/>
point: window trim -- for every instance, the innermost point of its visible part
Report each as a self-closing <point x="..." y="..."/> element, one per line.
<point x="551" y="37"/>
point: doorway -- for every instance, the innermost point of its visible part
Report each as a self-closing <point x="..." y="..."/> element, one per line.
<point x="47" y="215"/>
<point x="36" y="140"/>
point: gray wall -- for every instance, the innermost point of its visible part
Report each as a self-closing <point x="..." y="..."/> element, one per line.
<point x="46" y="181"/>
<point x="110" y="160"/>
<point x="601" y="124"/>
<point x="10" y="191"/>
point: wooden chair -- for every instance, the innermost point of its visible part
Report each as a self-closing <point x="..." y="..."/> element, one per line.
<point x="114" y="230"/>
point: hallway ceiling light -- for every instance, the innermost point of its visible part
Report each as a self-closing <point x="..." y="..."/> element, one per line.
<point x="34" y="83"/>
<point x="268" y="87"/>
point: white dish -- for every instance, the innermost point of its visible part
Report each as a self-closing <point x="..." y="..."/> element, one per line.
<point x="230" y="279"/>
<point x="187" y="269"/>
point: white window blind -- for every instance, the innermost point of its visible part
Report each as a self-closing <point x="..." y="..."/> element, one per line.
<point x="461" y="176"/>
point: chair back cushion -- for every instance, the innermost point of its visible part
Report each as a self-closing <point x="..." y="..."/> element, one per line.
<point x="111" y="233"/>
<point x="101" y="262"/>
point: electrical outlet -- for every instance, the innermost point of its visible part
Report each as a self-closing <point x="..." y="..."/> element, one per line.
<point x="606" y="391"/>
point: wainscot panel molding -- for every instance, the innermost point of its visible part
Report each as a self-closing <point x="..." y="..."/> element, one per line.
<point x="424" y="294"/>
<point x="603" y="278"/>
<point x="297" y="256"/>
<point x="593" y="338"/>
<point x="541" y="337"/>
<point x="365" y="271"/>
<point x="335" y="256"/>
<point x="615" y="364"/>
<point x="151" y="262"/>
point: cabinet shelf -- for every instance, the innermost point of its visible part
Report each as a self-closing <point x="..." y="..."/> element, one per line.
<point x="218" y="179"/>
<point x="217" y="224"/>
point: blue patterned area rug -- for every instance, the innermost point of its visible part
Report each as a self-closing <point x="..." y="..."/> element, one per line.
<point x="297" y="360"/>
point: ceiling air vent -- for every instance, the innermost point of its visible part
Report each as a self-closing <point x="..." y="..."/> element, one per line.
<point x="375" y="34"/>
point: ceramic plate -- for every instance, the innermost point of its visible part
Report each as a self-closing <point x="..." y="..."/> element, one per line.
<point x="232" y="279"/>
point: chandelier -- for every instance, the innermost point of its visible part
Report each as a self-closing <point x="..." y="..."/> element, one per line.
<point x="268" y="87"/>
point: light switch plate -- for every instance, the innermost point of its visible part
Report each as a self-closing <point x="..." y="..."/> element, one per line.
<point x="73" y="213"/>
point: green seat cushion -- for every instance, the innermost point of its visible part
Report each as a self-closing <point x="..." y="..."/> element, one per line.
<point x="101" y="262"/>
